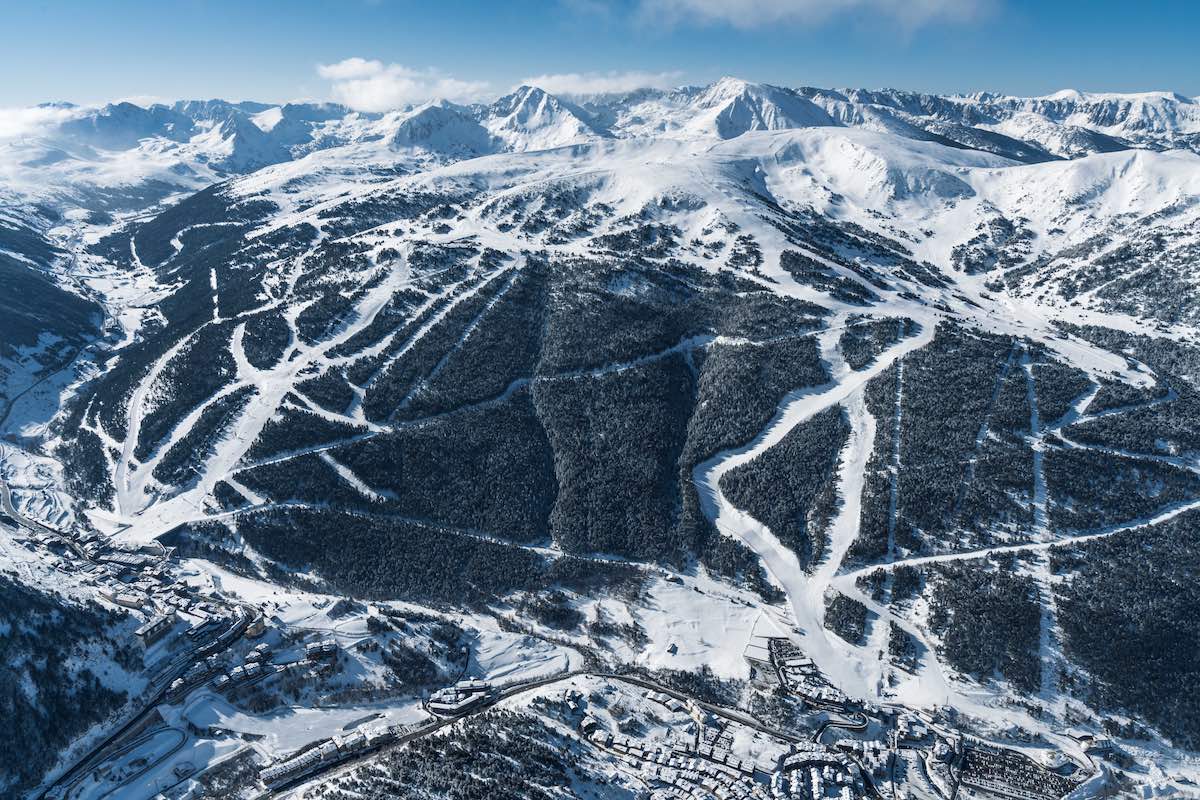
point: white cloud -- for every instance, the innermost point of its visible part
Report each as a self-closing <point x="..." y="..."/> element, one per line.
<point x="350" y="69"/>
<point x="371" y="85"/>
<point x="761" y="13"/>
<point x="574" y="83"/>
<point x="18" y="122"/>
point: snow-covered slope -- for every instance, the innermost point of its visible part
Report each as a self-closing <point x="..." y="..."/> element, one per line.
<point x="126" y="155"/>
<point x="442" y="128"/>
<point x="531" y="119"/>
<point x="933" y="358"/>
<point x="1067" y="123"/>
<point x="731" y="107"/>
<point x="45" y="322"/>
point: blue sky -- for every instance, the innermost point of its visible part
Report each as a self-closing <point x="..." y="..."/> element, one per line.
<point x="272" y="50"/>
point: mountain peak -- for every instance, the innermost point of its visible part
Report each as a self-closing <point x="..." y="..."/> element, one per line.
<point x="732" y="106"/>
<point x="527" y="101"/>
<point x="529" y="118"/>
<point x="732" y="82"/>
<point x="441" y="127"/>
<point x="729" y="87"/>
<point x="1073" y="95"/>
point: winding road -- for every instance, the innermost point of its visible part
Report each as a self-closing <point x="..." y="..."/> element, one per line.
<point x="335" y="769"/>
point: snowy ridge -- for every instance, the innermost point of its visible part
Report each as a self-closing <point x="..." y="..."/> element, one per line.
<point x="189" y="143"/>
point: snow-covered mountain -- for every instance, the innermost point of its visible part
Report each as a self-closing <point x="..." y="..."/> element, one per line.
<point x="191" y="143"/>
<point x="915" y="378"/>
<point x="531" y="119"/>
<point x="731" y="107"/>
<point x="442" y="128"/>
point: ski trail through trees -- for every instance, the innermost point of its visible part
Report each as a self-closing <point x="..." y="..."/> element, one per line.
<point x="968" y="477"/>
<point x="848" y="666"/>
<point x="1049" y="633"/>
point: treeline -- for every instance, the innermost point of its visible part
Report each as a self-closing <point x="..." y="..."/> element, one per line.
<point x="881" y="394"/>
<point x="997" y="493"/>
<point x="1090" y="489"/>
<point x="1118" y="394"/>
<point x="648" y="240"/>
<point x="404" y="375"/>
<point x="505" y="347"/>
<point x="988" y="620"/>
<point x="617" y="440"/>
<point x="760" y="315"/>
<point x="552" y="609"/>
<point x="840" y="244"/>
<point x="389" y="206"/>
<point x="998" y="242"/>
<point x="1057" y="386"/>
<point x="330" y="390"/>
<point x="384" y="559"/>
<point x="947" y="392"/>
<point x="328" y="307"/>
<point x="292" y="429"/>
<point x="489" y="469"/>
<point x="1165" y="355"/>
<point x="864" y="338"/>
<point x="738" y="392"/>
<point x="199" y="370"/>
<point x="374" y="556"/>
<point x="740" y="388"/>
<point x="846" y="617"/>
<point x="408" y="665"/>
<point x="179" y="465"/>
<point x="792" y="487"/>
<point x="49" y="696"/>
<point x="810" y="272"/>
<point x="500" y="755"/>
<point x="306" y="479"/>
<point x="266" y="339"/>
<point x="603" y="313"/>
<point x="1165" y="429"/>
<point x="395" y="314"/>
<point x="400" y="320"/>
<point x="607" y="311"/>
<point x="34" y="305"/>
<point x="1128" y="615"/>
<point x="208" y="206"/>
<point x="903" y="650"/>
<point x="85" y="468"/>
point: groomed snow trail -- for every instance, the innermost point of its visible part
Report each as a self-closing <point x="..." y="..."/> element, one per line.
<point x="847" y="579"/>
<point x="1049" y="634"/>
<point x="147" y="516"/>
<point x="129" y="498"/>
<point x="894" y="465"/>
<point x="847" y="666"/>
<point x="859" y="670"/>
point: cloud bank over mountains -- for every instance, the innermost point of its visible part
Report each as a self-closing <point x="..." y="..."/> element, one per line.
<point x="371" y="85"/>
<point x="585" y="83"/>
